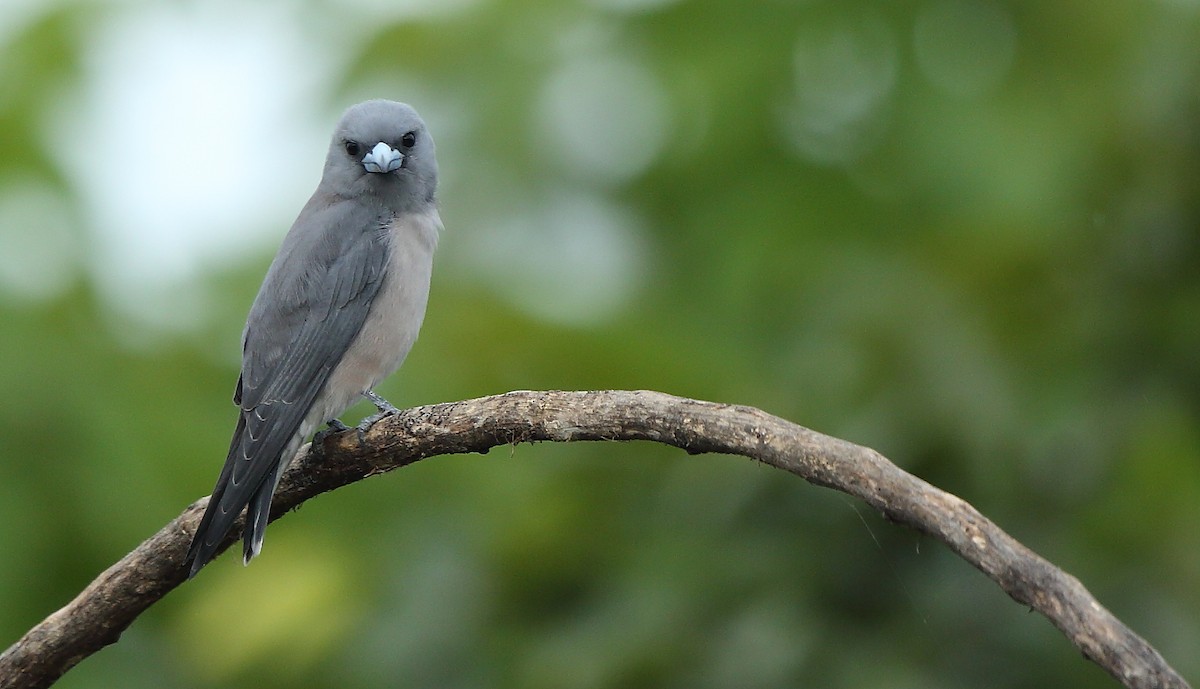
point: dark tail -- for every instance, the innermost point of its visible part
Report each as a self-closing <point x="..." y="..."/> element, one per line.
<point x="254" y="493"/>
<point x="258" y="513"/>
<point x="263" y="444"/>
<point x="215" y="525"/>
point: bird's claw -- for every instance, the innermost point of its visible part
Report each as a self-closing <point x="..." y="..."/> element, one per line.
<point x="385" y="408"/>
<point x="331" y="426"/>
<point x="365" y="425"/>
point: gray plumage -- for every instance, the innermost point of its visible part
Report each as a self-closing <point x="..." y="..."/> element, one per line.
<point x="338" y="311"/>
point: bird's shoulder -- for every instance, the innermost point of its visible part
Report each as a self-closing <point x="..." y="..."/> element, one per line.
<point x="332" y="241"/>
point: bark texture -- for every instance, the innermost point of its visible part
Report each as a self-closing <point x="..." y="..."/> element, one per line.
<point x="98" y="615"/>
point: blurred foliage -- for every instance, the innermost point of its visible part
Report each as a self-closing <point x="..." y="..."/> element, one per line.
<point x="963" y="232"/>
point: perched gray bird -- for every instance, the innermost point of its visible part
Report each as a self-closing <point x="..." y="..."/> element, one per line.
<point x="337" y="313"/>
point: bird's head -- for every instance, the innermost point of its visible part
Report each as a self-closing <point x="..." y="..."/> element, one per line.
<point x="382" y="149"/>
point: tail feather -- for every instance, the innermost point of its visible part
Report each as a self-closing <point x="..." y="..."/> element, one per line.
<point x="258" y="512"/>
<point x="264" y="443"/>
<point x="224" y="507"/>
<point x="215" y="524"/>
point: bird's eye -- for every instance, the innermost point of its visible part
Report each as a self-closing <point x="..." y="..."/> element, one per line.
<point x="409" y="140"/>
<point x="352" y="148"/>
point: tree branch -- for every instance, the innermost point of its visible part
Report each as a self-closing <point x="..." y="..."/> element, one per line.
<point x="109" y="604"/>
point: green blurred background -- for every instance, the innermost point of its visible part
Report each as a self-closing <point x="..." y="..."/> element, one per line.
<point x="962" y="232"/>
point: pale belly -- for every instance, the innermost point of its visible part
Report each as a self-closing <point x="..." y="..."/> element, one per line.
<point x="393" y="323"/>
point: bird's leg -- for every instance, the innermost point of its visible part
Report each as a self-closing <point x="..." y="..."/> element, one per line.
<point x="383" y="405"/>
<point x="385" y="408"/>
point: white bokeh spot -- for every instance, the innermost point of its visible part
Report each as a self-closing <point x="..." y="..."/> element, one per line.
<point x="166" y="143"/>
<point x="604" y="117"/>
<point x="845" y="73"/>
<point x="574" y="258"/>
<point x="41" y="246"/>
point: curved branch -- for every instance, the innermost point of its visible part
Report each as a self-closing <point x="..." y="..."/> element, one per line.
<point x="109" y="604"/>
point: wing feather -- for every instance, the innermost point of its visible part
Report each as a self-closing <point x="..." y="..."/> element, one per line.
<point x="312" y="305"/>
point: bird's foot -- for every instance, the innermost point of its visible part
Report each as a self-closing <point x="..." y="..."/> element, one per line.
<point x="331" y="426"/>
<point x="364" y="425"/>
<point x="385" y="408"/>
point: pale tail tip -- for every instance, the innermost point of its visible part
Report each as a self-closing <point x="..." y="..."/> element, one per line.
<point x="256" y="544"/>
